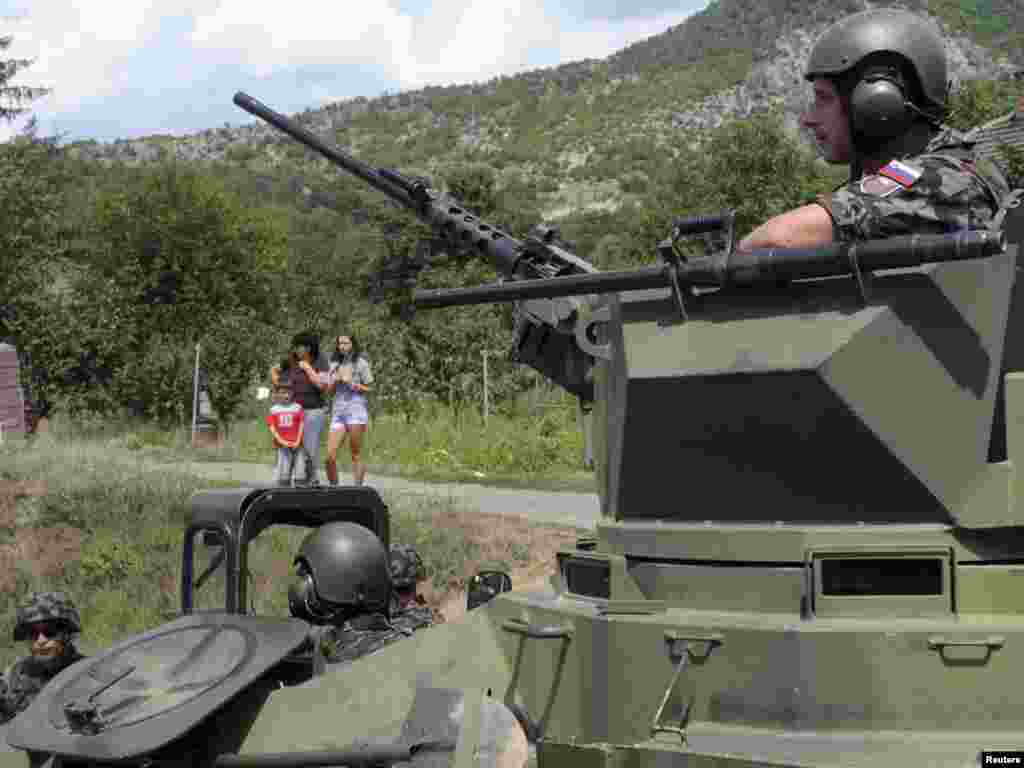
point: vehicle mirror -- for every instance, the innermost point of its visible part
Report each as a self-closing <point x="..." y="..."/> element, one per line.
<point x="485" y="586"/>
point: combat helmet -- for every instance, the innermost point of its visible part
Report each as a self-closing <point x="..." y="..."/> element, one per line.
<point x="878" y="99"/>
<point x="407" y="567"/>
<point x="341" y="569"/>
<point x="46" y="606"/>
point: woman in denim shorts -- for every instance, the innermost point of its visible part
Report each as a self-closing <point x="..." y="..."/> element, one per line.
<point x="350" y="380"/>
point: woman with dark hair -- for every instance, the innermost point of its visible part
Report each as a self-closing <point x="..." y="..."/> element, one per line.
<point x="309" y="383"/>
<point x="350" y="380"/>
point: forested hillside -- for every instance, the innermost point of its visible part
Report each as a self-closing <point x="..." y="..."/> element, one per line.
<point x="238" y="237"/>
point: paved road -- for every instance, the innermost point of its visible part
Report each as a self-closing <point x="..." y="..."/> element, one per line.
<point x="563" y="508"/>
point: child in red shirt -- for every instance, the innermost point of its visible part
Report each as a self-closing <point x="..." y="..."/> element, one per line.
<point x="285" y="423"/>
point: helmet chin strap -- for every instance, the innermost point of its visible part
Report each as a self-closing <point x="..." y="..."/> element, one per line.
<point x="910" y="142"/>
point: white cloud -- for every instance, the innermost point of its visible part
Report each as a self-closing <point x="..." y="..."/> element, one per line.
<point x="598" y="38"/>
<point x="267" y="35"/>
<point x="81" y="47"/>
<point x="459" y="42"/>
<point x="84" y="49"/>
<point x="454" y="41"/>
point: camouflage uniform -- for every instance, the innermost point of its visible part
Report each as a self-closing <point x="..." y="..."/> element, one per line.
<point x="363" y="635"/>
<point x="27" y="676"/>
<point x="954" y="192"/>
<point x="407" y="570"/>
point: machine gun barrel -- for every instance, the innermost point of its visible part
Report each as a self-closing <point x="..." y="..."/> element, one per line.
<point x="766" y="265"/>
<point x="772" y="264"/>
<point x="455" y="223"/>
<point x="568" y="285"/>
<point x="391" y="187"/>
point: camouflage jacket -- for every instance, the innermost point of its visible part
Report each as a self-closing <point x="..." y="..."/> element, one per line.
<point x="944" y="189"/>
<point x="23" y="680"/>
<point x="365" y="634"/>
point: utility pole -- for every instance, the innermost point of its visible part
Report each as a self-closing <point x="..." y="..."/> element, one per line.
<point x="486" y="409"/>
<point x="195" y="397"/>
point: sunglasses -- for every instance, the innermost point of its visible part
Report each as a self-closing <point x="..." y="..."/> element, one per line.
<point x="48" y="630"/>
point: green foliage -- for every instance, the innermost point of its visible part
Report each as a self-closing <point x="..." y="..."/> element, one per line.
<point x="474" y="185"/>
<point x="174" y="261"/>
<point x="978" y="101"/>
<point x="990" y="23"/>
<point x="1014" y="157"/>
<point x="751" y="166"/>
<point x="108" y="559"/>
<point x="31" y="179"/>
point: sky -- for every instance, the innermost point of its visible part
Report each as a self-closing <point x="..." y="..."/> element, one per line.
<point x="125" y="70"/>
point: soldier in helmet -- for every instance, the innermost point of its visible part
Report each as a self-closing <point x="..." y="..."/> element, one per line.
<point x="50" y="623"/>
<point x="407" y="604"/>
<point x="343" y="584"/>
<point x="880" y="89"/>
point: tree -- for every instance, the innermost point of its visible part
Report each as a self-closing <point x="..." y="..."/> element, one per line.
<point x="174" y="261"/>
<point x="978" y="101"/>
<point x="15" y="98"/>
<point x="751" y="166"/>
<point x="33" y="233"/>
<point x="31" y="227"/>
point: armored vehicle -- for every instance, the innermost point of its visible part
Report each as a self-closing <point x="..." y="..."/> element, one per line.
<point x="809" y="554"/>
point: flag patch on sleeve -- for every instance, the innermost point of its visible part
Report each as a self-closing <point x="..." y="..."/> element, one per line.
<point x="902" y="173"/>
<point x="878" y="186"/>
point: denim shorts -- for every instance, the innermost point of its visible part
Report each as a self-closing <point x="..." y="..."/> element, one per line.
<point x="349" y="414"/>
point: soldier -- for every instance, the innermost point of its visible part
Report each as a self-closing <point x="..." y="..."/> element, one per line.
<point x="880" y="91"/>
<point x="343" y="584"/>
<point x="407" y="570"/>
<point x="50" y="623"/>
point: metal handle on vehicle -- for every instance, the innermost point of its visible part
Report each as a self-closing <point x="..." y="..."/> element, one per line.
<point x="538" y="631"/>
<point x="937" y="643"/>
<point x="679" y="644"/>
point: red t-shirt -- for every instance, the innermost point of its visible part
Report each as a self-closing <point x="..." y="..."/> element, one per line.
<point x="287" y="420"/>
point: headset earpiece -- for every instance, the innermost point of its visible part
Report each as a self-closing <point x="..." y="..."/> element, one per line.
<point x="878" y="107"/>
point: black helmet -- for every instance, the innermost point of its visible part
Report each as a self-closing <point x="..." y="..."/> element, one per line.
<point x="407" y="567"/>
<point x="342" y="570"/>
<point x="46" y="606"/>
<point x="878" y="96"/>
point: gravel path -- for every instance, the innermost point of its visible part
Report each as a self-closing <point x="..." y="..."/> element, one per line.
<point x="557" y="507"/>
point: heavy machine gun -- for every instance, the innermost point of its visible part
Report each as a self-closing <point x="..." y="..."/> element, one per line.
<point x="554" y="328"/>
<point x="544" y="327"/>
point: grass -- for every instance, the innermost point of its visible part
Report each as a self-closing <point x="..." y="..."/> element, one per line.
<point x="535" y="443"/>
<point x="68" y="499"/>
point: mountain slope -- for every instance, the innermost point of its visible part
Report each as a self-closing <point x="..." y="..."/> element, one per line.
<point x="588" y="132"/>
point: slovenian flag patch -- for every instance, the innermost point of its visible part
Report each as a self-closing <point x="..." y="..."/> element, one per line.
<point x="902" y="173"/>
